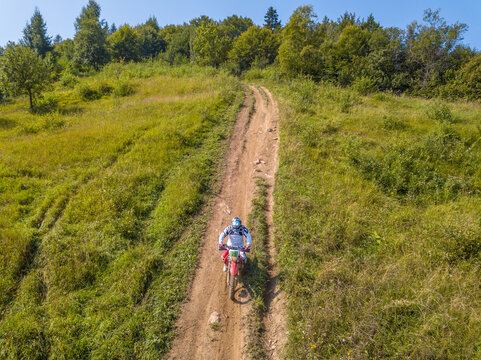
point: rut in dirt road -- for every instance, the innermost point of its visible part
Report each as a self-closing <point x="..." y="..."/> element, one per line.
<point x="252" y="153"/>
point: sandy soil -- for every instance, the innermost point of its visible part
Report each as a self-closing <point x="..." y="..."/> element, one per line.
<point x="253" y="152"/>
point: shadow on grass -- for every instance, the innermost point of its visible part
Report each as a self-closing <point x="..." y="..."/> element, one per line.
<point x="71" y="110"/>
<point x="7" y="123"/>
<point x="253" y="279"/>
<point x="271" y="294"/>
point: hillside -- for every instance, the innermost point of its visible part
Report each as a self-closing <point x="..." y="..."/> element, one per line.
<point x="377" y="214"/>
<point x="117" y="186"/>
<point x="100" y="209"/>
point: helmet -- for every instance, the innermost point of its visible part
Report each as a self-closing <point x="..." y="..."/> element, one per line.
<point x="236" y="222"/>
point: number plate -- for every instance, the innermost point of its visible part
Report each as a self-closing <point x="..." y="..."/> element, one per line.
<point x="233" y="253"/>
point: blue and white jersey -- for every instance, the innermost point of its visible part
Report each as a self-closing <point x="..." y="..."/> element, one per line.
<point x="236" y="236"/>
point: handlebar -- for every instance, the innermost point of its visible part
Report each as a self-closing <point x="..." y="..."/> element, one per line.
<point x="227" y="247"/>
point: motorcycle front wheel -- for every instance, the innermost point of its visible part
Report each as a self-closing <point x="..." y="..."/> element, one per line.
<point x="232" y="285"/>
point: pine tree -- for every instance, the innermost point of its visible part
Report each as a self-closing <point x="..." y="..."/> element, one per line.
<point x="90" y="38"/>
<point x="57" y="39"/>
<point x="272" y="19"/>
<point x="35" y="35"/>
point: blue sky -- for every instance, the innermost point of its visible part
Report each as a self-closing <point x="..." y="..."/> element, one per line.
<point x="60" y="15"/>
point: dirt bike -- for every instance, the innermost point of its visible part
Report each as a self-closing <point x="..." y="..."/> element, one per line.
<point x="234" y="266"/>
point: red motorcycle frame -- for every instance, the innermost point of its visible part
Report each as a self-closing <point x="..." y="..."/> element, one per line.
<point x="235" y="265"/>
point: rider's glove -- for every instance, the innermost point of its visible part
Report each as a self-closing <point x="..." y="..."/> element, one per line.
<point x="221" y="247"/>
<point x="247" y="248"/>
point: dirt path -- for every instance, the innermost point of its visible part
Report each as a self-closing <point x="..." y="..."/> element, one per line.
<point x="252" y="152"/>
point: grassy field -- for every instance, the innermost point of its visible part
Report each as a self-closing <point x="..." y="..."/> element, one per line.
<point x="377" y="214"/>
<point x="101" y="194"/>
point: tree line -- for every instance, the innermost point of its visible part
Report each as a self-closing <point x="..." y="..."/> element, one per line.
<point x="425" y="59"/>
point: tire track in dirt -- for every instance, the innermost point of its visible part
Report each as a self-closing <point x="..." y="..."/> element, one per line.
<point x="275" y="316"/>
<point x="252" y="153"/>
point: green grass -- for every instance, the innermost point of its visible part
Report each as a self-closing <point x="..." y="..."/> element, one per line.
<point x="100" y="204"/>
<point x="257" y="271"/>
<point x="377" y="217"/>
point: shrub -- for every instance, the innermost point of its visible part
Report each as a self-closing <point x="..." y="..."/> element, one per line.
<point x="123" y="88"/>
<point x="413" y="170"/>
<point x="452" y="90"/>
<point x="391" y="123"/>
<point x="441" y="113"/>
<point x="87" y="92"/>
<point x="46" y="104"/>
<point x="94" y="91"/>
<point x="364" y="85"/>
<point x="304" y="92"/>
<point x="461" y="244"/>
<point x="104" y="88"/>
<point x="346" y="101"/>
<point x="69" y="80"/>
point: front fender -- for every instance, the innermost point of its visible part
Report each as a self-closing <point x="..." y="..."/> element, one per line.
<point x="233" y="268"/>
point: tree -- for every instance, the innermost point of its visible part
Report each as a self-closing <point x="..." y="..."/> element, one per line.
<point x="152" y="22"/>
<point x="178" y="40"/>
<point x="123" y="44"/>
<point x="35" y="35"/>
<point x="66" y="51"/>
<point x="90" y="38"/>
<point x="348" y="54"/>
<point x="198" y="21"/>
<point x="151" y="43"/>
<point x="57" y="40"/>
<point x="470" y="76"/>
<point x="271" y="19"/>
<point x="211" y="44"/>
<point x="234" y="25"/>
<point x="23" y="71"/>
<point x="299" y="52"/>
<point x="429" y="47"/>
<point x="255" y="45"/>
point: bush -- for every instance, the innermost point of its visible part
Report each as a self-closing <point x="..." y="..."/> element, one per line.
<point x="123" y="88"/>
<point x="304" y="92"/>
<point x="391" y="123"/>
<point x="418" y="169"/>
<point x="94" y="91"/>
<point x="87" y="92"/>
<point x="346" y="101"/>
<point x="69" y="80"/>
<point x="46" y="104"/>
<point x="453" y="90"/>
<point x="441" y="113"/>
<point x="365" y="85"/>
<point x="470" y="76"/>
<point x="461" y="244"/>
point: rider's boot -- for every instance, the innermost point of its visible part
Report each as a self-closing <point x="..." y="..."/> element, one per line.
<point x="225" y="267"/>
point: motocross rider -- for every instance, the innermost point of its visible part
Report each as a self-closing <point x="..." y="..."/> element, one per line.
<point x="236" y="233"/>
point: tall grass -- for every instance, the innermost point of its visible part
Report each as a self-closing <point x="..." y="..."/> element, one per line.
<point x="257" y="271"/>
<point x="99" y="223"/>
<point x="377" y="208"/>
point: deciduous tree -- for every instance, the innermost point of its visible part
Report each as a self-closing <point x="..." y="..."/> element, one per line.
<point x="255" y="45"/>
<point x="150" y="42"/>
<point x="123" y="44"/>
<point x="23" y="71"/>
<point x="90" y="38"/>
<point x="211" y="44"/>
<point x="299" y="52"/>
<point x="429" y="47"/>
